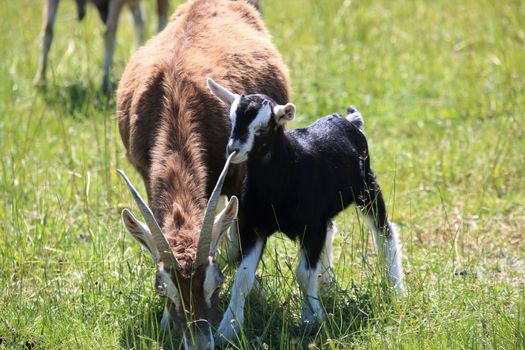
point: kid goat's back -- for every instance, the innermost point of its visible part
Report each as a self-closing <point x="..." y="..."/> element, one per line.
<point x="297" y="181"/>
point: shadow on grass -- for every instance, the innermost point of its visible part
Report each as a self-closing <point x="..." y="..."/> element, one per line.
<point x="270" y="323"/>
<point x="79" y="99"/>
<point x="275" y="324"/>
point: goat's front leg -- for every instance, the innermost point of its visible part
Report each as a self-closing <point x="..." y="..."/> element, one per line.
<point x="138" y="21"/>
<point x="162" y="12"/>
<point x="50" y="12"/>
<point x="109" y="40"/>
<point x="244" y="279"/>
<point x="307" y="275"/>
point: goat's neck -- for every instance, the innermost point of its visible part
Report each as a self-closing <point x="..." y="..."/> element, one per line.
<point x="275" y="158"/>
<point x="179" y="191"/>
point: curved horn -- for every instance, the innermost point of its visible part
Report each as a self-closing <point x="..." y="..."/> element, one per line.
<point x="203" y="250"/>
<point x="166" y="255"/>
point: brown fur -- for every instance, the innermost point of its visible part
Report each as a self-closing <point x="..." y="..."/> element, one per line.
<point x="174" y="130"/>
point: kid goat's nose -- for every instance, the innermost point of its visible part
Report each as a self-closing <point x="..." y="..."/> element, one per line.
<point x="232" y="148"/>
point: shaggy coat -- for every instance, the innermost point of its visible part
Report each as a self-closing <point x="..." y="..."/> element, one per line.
<point x="174" y="130"/>
<point x="296" y="183"/>
<point x="175" y="133"/>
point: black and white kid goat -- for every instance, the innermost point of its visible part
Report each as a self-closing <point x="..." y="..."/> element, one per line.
<point x="297" y="181"/>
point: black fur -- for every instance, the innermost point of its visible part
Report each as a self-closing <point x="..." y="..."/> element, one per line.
<point x="101" y="5"/>
<point x="298" y="180"/>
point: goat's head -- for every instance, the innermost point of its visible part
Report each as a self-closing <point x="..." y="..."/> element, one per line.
<point x="255" y="121"/>
<point x="192" y="301"/>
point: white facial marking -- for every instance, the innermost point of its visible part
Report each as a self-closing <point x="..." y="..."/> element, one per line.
<point x="233" y="110"/>
<point x="261" y="120"/>
<point x="244" y="279"/>
<point x="308" y="283"/>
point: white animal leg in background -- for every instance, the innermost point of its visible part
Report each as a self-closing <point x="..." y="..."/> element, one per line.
<point x="50" y="12"/>
<point x="390" y="251"/>
<point x="138" y="21"/>
<point x="162" y="12"/>
<point x="115" y="7"/>
<point x="244" y="279"/>
<point x="307" y="277"/>
<point x="327" y="277"/>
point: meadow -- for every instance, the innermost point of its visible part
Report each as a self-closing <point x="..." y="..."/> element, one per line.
<point x="441" y="85"/>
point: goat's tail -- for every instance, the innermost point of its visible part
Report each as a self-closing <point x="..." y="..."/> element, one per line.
<point x="356" y="118"/>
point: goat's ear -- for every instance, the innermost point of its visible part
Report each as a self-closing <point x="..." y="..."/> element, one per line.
<point x="221" y="92"/>
<point x="284" y="114"/>
<point x="141" y="233"/>
<point x="222" y="222"/>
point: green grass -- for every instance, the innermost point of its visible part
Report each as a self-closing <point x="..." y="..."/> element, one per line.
<point x="441" y="85"/>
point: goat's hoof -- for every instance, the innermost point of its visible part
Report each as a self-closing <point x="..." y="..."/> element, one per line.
<point x="308" y="327"/>
<point x="400" y="290"/>
<point x="312" y="319"/>
<point x="39" y="82"/>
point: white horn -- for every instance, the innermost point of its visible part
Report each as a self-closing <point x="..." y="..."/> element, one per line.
<point x="165" y="252"/>
<point x="203" y="250"/>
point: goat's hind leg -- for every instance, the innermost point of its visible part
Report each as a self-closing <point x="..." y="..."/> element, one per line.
<point x="326" y="275"/>
<point x="385" y="233"/>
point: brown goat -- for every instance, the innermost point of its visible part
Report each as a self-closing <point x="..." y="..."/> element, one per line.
<point x="175" y="133"/>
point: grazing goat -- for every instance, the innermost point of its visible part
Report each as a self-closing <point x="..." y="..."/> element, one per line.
<point x="109" y="11"/>
<point x="296" y="182"/>
<point x="175" y="133"/>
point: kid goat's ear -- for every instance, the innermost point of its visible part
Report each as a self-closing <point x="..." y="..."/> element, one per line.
<point x="221" y="92"/>
<point x="284" y="114"/>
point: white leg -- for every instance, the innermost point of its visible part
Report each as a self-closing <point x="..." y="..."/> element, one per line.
<point x="307" y="277"/>
<point x="390" y="251"/>
<point x="50" y="12"/>
<point x="109" y="40"/>
<point x="326" y="277"/>
<point x="244" y="279"/>
<point x="138" y="22"/>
